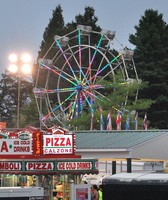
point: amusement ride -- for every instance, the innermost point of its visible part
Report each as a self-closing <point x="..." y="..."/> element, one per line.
<point x="71" y="73"/>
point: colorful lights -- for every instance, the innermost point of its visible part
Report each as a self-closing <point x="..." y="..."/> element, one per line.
<point x="80" y="67"/>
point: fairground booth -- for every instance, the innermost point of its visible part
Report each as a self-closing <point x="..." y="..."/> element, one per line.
<point x="35" y="158"/>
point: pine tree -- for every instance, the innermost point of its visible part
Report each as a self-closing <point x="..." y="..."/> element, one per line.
<point x="55" y="27"/>
<point x="151" y="58"/>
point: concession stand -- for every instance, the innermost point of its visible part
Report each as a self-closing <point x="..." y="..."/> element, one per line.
<point x="32" y="157"/>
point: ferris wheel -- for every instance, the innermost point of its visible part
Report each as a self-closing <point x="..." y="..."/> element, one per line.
<point x="71" y="73"/>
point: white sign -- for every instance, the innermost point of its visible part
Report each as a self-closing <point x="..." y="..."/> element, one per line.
<point x="10" y="166"/>
<point x="57" y="144"/>
<point x="74" y="165"/>
<point x="39" y="166"/>
<point x="15" y="147"/>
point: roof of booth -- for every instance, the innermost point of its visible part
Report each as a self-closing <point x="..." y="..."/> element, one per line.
<point x="115" y="139"/>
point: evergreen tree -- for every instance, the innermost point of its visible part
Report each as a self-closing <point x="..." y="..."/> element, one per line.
<point x="151" y="58"/>
<point x="9" y="97"/>
<point x="55" y="27"/>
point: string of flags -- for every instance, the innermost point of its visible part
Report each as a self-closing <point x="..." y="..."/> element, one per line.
<point x="129" y="123"/>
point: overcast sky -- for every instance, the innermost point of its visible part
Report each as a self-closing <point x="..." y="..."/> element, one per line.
<point x="22" y="22"/>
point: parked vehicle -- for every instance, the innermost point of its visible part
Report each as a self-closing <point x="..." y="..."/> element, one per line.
<point x="139" y="186"/>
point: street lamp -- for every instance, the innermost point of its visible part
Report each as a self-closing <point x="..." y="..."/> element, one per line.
<point x="19" y="65"/>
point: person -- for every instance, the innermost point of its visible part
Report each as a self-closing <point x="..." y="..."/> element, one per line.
<point x="60" y="189"/>
<point x="94" y="193"/>
<point x="100" y="192"/>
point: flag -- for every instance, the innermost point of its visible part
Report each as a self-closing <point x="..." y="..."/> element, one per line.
<point x="118" y="121"/>
<point x="145" y="122"/>
<point x="127" y="124"/>
<point x="91" y="122"/>
<point x="109" y="121"/>
<point x="101" y="122"/>
<point x="136" y="120"/>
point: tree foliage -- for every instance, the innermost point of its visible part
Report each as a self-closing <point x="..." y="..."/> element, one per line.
<point x="56" y="26"/>
<point x="151" y="50"/>
<point x="9" y="97"/>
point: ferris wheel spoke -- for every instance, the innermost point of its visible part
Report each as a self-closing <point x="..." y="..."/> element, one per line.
<point x="73" y="105"/>
<point x="46" y="91"/>
<point x="58" y="106"/>
<point x="79" y="65"/>
<point x="96" y="86"/>
<point x="67" y="61"/>
<point x="115" y="58"/>
<point x="64" y="73"/>
<point x="80" y="54"/>
<point x="80" y="57"/>
<point x="55" y="72"/>
<point x="88" y="102"/>
<point x="100" y="64"/>
<point x="103" y="77"/>
<point x="93" y="96"/>
<point x="93" y="57"/>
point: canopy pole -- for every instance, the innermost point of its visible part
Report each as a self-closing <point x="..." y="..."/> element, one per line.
<point x="129" y="165"/>
<point x="113" y="167"/>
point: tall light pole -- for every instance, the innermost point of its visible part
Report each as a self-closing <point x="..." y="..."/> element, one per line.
<point x="20" y="65"/>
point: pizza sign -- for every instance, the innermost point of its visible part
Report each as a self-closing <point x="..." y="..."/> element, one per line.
<point x="57" y="144"/>
<point x="39" y="166"/>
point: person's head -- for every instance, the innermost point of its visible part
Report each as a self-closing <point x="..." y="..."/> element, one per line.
<point x="100" y="187"/>
<point x="95" y="187"/>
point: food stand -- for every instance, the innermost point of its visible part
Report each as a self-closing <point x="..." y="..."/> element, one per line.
<point x="31" y="157"/>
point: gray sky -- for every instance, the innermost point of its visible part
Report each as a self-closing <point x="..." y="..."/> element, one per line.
<point x="22" y="22"/>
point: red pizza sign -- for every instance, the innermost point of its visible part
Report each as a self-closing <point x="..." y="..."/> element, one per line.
<point x="57" y="144"/>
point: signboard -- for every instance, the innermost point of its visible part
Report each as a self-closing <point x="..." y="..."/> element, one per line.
<point x="77" y="165"/>
<point x="16" y="143"/>
<point x="80" y="165"/>
<point x="33" y="143"/>
<point x="57" y="144"/>
<point x="10" y="166"/>
<point x="39" y="166"/>
<point x="82" y="192"/>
